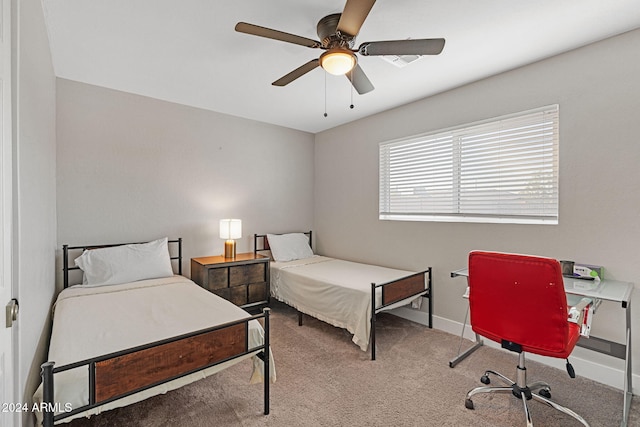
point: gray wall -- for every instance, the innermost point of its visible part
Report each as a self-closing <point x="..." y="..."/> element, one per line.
<point x="597" y="89"/>
<point x="132" y="168"/>
<point x="34" y="192"/>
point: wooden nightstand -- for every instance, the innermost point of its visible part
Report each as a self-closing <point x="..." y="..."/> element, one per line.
<point x="243" y="280"/>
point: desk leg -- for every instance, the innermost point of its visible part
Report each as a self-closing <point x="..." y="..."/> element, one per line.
<point x="461" y="356"/>
<point x="628" y="385"/>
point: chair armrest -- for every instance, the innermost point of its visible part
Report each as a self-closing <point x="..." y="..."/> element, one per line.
<point x="576" y="313"/>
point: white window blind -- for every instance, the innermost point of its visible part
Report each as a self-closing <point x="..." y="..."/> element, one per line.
<point x="500" y="170"/>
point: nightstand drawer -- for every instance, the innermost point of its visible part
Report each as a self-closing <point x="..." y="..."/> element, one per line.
<point x="245" y="274"/>
<point x="224" y="293"/>
<point x="238" y="295"/>
<point x="218" y="278"/>
<point x="257" y="292"/>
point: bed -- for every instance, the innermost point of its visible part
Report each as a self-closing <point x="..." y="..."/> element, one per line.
<point x="342" y="293"/>
<point x="133" y="329"/>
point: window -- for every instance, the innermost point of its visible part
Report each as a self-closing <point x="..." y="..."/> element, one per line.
<point x="500" y="170"/>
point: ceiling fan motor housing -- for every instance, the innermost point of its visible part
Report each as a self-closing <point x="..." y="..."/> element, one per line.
<point x="329" y="35"/>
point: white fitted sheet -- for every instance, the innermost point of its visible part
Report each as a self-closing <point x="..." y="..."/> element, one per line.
<point x="94" y="321"/>
<point x="335" y="291"/>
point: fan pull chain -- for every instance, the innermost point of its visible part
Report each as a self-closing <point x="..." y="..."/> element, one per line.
<point x="351" y="74"/>
<point x="325" y="94"/>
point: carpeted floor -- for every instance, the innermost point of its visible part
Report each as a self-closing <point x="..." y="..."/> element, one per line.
<point x="325" y="380"/>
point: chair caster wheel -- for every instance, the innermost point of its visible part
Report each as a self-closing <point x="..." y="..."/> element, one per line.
<point x="485" y="379"/>
<point x="468" y="403"/>
<point x="545" y="393"/>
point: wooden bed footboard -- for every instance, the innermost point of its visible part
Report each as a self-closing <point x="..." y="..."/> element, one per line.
<point x="120" y="374"/>
<point x="414" y="285"/>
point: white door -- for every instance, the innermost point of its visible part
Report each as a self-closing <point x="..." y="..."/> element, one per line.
<point x="8" y="414"/>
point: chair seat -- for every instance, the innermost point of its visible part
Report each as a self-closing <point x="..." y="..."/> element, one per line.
<point x="561" y="352"/>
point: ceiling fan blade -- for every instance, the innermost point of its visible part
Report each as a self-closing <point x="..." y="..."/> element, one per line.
<point x="353" y="16"/>
<point x="298" y="72"/>
<point x="359" y="80"/>
<point x="256" y="30"/>
<point x="402" y="47"/>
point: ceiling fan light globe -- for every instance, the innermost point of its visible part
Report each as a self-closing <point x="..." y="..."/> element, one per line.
<point x="338" y="61"/>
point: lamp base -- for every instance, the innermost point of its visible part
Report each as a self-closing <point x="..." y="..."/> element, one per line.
<point x="230" y="249"/>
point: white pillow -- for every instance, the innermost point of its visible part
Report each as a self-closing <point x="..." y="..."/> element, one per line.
<point x="289" y="247"/>
<point x="126" y="263"/>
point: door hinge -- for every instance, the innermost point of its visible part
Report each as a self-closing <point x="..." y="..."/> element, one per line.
<point x="12" y="312"/>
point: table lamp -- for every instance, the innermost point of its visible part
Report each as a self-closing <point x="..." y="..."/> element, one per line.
<point x="230" y="229"/>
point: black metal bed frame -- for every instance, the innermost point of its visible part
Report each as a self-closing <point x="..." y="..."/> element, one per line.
<point x="265" y="243"/>
<point x="66" y="249"/>
<point x="426" y="292"/>
<point x="48" y="369"/>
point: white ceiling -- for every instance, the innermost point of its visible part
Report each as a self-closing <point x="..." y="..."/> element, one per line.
<point x="188" y="52"/>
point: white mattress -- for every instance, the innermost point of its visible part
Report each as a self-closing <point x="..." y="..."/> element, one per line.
<point x="335" y="291"/>
<point x="93" y="321"/>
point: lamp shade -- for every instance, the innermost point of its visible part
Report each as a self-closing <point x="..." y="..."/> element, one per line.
<point x="230" y="228"/>
<point x="338" y="61"/>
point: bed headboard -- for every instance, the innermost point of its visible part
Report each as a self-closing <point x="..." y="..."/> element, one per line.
<point x="260" y="242"/>
<point x="66" y="268"/>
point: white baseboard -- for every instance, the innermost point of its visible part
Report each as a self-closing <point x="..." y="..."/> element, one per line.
<point x="608" y="375"/>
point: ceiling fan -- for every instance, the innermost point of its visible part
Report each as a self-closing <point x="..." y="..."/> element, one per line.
<point x="337" y="33"/>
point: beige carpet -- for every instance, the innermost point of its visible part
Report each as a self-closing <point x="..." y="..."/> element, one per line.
<point x="325" y="380"/>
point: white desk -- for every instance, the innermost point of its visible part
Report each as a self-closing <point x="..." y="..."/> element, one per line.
<point x="605" y="290"/>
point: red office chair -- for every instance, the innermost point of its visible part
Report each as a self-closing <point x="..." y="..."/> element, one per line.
<point x="520" y="302"/>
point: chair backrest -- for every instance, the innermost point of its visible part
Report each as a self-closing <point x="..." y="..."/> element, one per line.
<point x="520" y="299"/>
